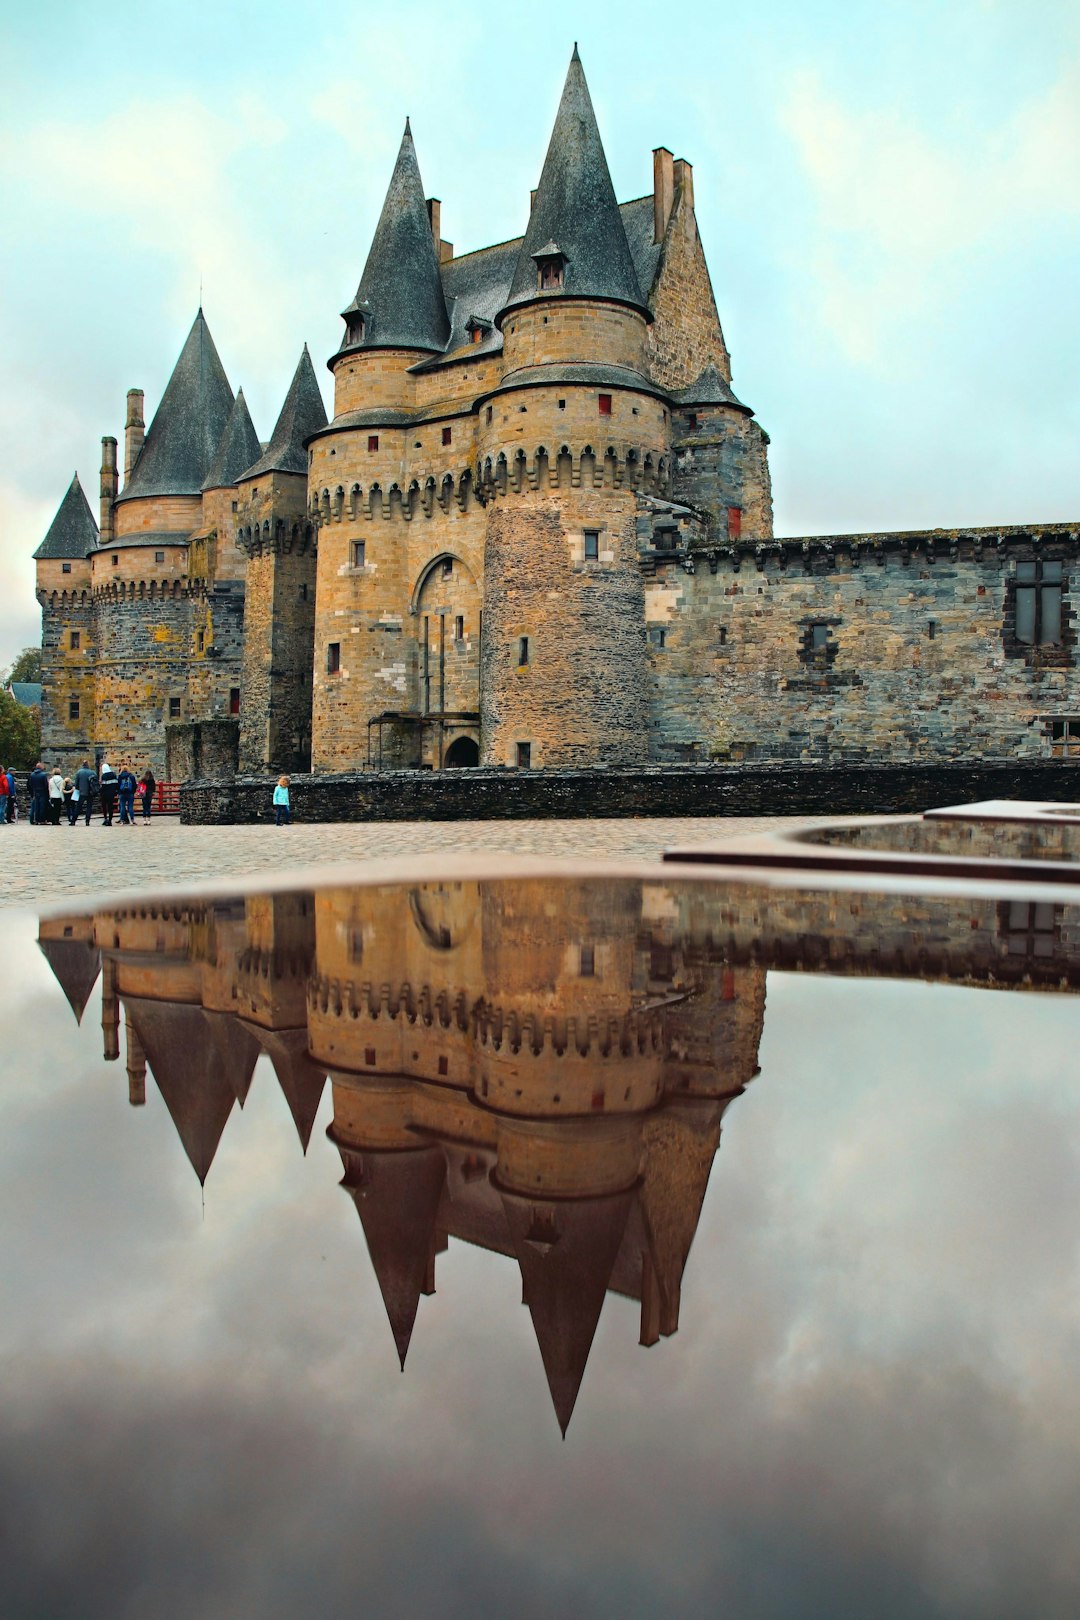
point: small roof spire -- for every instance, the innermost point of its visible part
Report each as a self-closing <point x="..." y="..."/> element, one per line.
<point x="239" y="447"/>
<point x="72" y="532"/>
<point x="400" y="291"/>
<point x="575" y="206"/>
<point x="302" y="414"/>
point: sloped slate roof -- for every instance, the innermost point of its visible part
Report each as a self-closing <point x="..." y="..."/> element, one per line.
<point x="76" y="964"/>
<point x="576" y="207"/>
<point x="400" y="291"/>
<point x="188" y="424"/>
<point x="477" y="285"/>
<point x="29" y="694"/>
<point x="302" y="414"/>
<point x="709" y="389"/>
<point x="72" y="532"/>
<point x="239" y="447"/>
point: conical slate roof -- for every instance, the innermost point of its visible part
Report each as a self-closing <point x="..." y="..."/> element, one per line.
<point x="575" y="212"/>
<point x="302" y="414"/>
<point x="72" y="532"/>
<point x="239" y="447"/>
<point x="709" y="388"/>
<point x="302" y="1082"/>
<point x="198" y="1092"/>
<point x="397" y="1194"/>
<point x="184" y="436"/>
<point x="76" y="964"/>
<point x="400" y="293"/>
<point x="566" y="1250"/>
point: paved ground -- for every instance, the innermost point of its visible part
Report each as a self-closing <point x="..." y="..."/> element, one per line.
<point x="42" y="864"/>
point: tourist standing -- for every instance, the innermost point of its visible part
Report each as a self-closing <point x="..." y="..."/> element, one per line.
<point x="39" y="796"/>
<point x="125" y="787"/>
<point x="69" y="797"/>
<point x="282" y="813"/>
<point x="56" y="797"/>
<point x="83" y="797"/>
<point x="5" y="795"/>
<point x="107" y="784"/>
<point x="147" y="789"/>
<point x="13" y="795"/>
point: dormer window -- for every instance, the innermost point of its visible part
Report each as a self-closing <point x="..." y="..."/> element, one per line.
<point x="550" y="267"/>
<point x="355" y="318"/>
<point x="477" y="329"/>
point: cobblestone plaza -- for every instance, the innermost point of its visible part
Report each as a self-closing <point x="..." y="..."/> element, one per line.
<point x="44" y="864"/>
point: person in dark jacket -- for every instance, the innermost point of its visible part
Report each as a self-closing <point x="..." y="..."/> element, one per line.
<point x="39" y="795"/>
<point x="108" y="792"/>
<point x="85" y="786"/>
<point x="125" y="787"/>
<point x="147" y="789"/>
<point x="13" y="796"/>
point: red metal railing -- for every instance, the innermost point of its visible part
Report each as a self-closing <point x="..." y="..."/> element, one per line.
<point x="167" y="799"/>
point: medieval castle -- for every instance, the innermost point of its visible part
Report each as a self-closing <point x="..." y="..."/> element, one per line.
<point x="537" y="533"/>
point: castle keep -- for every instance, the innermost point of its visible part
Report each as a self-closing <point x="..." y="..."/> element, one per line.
<point x="537" y="532"/>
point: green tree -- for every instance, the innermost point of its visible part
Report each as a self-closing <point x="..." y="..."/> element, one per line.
<point x="20" y="734"/>
<point x="27" y="667"/>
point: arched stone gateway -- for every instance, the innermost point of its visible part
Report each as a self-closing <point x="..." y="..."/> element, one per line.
<point x="462" y="752"/>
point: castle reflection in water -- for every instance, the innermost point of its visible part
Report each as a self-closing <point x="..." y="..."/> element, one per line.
<point x="537" y="1067"/>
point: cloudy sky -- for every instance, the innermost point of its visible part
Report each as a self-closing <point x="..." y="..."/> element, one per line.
<point x="889" y="196"/>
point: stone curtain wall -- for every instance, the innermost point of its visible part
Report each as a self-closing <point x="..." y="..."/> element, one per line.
<point x="884" y="647"/>
<point x="718" y="790"/>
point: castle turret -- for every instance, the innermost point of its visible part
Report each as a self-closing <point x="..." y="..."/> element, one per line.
<point x="277" y="534"/>
<point x="64" y="569"/>
<point x="399" y="308"/>
<point x="142" y="655"/>
<point x="579" y="427"/>
<point x="216" y="572"/>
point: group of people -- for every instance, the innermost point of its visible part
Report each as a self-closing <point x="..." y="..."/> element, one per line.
<point x="55" y="795"/>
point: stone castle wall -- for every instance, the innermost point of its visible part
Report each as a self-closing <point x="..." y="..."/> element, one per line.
<point x="916" y="655"/>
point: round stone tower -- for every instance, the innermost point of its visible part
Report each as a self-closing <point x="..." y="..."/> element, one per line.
<point x="573" y="431"/>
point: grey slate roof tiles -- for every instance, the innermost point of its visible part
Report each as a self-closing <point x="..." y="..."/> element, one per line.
<point x="72" y="532"/>
<point x="239" y="447"/>
<point x="302" y="414"/>
<point x="709" y="389"/>
<point x="401" y="291"/>
<point x="576" y="207"/>
<point x="188" y="424"/>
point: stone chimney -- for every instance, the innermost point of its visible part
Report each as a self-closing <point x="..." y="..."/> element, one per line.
<point x="107" y="488"/>
<point x="684" y="180"/>
<point x="434" y="214"/>
<point x="134" y="430"/>
<point x="663" y="180"/>
<point x="136" y="1064"/>
<point x="532" y="200"/>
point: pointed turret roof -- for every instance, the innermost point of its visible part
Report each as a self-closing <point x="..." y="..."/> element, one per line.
<point x="709" y="388"/>
<point x="188" y="424"/>
<point x="302" y="414"/>
<point x="566" y="1249"/>
<point x="239" y="447"/>
<point x="400" y="293"/>
<point x="72" y="532"/>
<point x="236" y="1050"/>
<point x="575" y="213"/>
<point x="302" y="1082"/>
<point x="197" y="1090"/>
<point x="76" y="964"/>
<point x="397" y="1195"/>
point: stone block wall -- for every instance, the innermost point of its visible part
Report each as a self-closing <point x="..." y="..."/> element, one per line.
<point x="885" y="647"/>
<point x="202" y="749"/>
<point x="685" y="335"/>
<point x="704" y="790"/>
<point x="142" y="673"/>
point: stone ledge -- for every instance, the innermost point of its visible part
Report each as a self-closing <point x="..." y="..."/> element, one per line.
<point x="654" y="790"/>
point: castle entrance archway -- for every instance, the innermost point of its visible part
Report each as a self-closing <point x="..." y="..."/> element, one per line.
<point x="446" y="614"/>
<point x="462" y="753"/>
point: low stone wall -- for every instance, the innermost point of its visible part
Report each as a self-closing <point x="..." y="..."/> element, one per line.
<point x="692" y="790"/>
